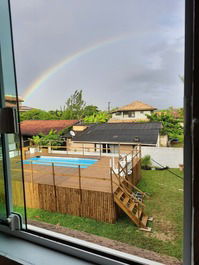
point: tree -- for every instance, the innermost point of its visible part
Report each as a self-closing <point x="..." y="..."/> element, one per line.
<point x="171" y="125"/>
<point x="100" y="117"/>
<point x="90" y="110"/>
<point x="36" y="140"/>
<point x="35" y="114"/>
<point x="52" y="138"/>
<point x="75" y="105"/>
<point x="55" y="114"/>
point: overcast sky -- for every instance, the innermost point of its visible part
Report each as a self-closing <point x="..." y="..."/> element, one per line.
<point x="127" y="50"/>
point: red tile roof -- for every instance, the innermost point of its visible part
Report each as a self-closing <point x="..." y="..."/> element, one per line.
<point x="34" y="127"/>
<point x="135" y="105"/>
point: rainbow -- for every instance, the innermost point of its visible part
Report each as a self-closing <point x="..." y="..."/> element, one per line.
<point x="67" y="60"/>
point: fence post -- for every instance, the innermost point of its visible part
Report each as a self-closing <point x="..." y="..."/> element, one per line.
<point x="80" y="190"/>
<point x="54" y="185"/>
<point x="83" y="149"/>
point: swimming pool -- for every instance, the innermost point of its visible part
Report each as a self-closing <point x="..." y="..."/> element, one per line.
<point x="61" y="161"/>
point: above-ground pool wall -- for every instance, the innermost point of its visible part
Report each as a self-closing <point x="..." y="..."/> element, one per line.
<point x="84" y="203"/>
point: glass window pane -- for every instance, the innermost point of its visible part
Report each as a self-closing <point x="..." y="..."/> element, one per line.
<point x="115" y="68"/>
<point x="9" y="99"/>
<point x="3" y="213"/>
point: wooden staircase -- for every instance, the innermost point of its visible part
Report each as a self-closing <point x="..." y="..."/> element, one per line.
<point x="130" y="199"/>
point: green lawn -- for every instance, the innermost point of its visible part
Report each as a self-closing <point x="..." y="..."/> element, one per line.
<point x="165" y="205"/>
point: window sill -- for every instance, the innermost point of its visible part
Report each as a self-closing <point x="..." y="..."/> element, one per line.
<point x="19" y="247"/>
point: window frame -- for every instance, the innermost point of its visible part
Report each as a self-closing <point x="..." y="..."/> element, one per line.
<point x="191" y="231"/>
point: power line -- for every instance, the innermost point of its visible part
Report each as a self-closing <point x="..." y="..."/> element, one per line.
<point x="167" y="169"/>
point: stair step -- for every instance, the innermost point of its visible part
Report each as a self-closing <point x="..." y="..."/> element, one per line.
<point x="125" y="201"/>
<point x="144" y="220"/>
<point x="131" y="206"/>
<point x="138" y="213"/>
<point x="117" y="190"/>
<point x="119" y="194"/>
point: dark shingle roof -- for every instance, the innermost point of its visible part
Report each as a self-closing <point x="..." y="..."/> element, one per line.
<point x="121" y="132"/>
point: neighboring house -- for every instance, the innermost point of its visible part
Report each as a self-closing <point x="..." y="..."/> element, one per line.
<point x="111" y="137"/>
<point x="11" y="102"/>
<point x="30" y="128"/>
<point x="25" y="108"/>
<point x="136" y="111"/>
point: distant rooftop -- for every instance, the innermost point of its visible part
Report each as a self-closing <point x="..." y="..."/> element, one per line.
<point x="13" y="98"/>
<point x="147" y="132"/>
<point x="34" y="127"/>
<point x="25" y="108"/>
<point x="135" y="105"/>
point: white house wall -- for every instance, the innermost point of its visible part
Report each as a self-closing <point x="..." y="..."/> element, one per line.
<point x="166" y="156"/>
<point x="138" y="115"/>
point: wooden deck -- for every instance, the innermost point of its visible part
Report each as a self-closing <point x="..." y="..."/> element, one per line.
<point x="86" y="193"/>
<point x="94" y="178"/>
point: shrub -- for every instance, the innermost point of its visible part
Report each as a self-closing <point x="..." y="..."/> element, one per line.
<point x="146" y="162"/>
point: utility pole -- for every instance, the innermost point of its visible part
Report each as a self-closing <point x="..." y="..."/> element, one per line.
<point x="109" y="104"/>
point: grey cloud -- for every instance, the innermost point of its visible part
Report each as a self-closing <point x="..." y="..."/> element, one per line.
<point x="145" y="66"/>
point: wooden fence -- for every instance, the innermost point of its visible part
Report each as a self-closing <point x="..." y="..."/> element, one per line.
<point x="84" y="203"/>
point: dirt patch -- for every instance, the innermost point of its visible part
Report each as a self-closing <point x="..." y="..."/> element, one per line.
<point x="108" y="243"/>
<point x="161" y="236"/>
<point x="167" y="227"/>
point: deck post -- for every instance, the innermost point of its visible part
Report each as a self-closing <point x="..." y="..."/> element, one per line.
<point x="54" y="185"/>
<point x="31" y="171"/>
<point x="111" y="175"/>
<point x="132" y="167"/>
<point x="126" y="167"/>
<point x="112" y="193"/>
<point x="80" y="191"/>
<point x="83" y="149"/>
<point x="31" y="176"/>
<point x="139" y="151"/>
<point x="100" y="146"/>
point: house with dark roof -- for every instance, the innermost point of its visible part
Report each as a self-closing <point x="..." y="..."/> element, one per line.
<point x="114" y="136"/>
<point x="135" y="111"/>
<point x="30" y="128"/>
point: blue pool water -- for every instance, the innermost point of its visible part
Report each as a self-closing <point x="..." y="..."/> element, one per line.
<point x="61" y="161"/>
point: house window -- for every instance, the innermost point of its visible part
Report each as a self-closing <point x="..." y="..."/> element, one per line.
<point x="131" y="114"/>
<point x="118" y="113"/>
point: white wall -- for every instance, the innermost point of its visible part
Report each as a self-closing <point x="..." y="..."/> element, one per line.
<point x="166" y="156"/>
<point x="139" y="115"/>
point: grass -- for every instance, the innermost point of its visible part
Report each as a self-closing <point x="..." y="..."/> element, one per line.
<point x="165" y="205"/>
